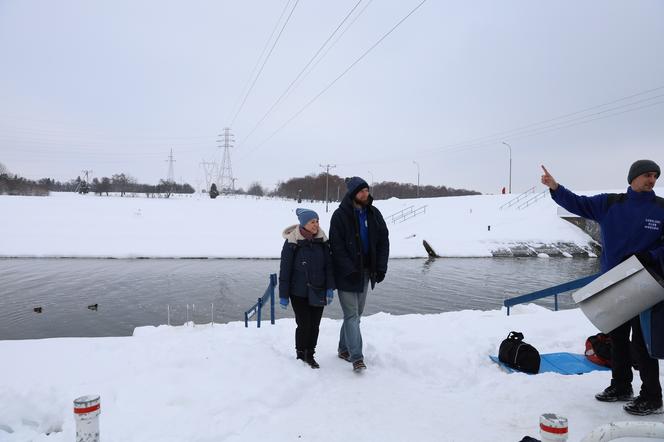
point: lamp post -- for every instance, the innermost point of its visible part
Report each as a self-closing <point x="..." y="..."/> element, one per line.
<point x="418" y="177"/>
<point x="509" y="148"/>
<point x="372" y="184"/>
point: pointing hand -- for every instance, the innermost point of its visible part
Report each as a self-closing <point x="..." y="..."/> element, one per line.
<point x="548" y="180"/>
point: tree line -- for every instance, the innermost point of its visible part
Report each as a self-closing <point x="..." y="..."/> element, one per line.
<point x="12" y="184"/>
<point x="312" y="187"/>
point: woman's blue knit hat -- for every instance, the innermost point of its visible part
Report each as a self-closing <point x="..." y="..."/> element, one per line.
<point x="305" y="215"/>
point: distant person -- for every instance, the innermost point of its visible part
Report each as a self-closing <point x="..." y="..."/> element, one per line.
<point x="632" y="224"/>
<point x="306" y="280"/>
<point x="360" y="249"/>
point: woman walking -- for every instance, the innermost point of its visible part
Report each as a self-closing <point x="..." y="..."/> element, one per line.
<point x="306" y="279"/>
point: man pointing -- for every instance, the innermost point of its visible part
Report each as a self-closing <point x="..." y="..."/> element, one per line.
<point x="631" y="224"/>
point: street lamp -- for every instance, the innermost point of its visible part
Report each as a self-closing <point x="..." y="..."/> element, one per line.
<point x="418" y="177"/>
<point x="510" y="151"/>
<point x="373" y="192"/>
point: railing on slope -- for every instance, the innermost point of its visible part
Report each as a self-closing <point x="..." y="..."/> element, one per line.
<point x="404" y="214"/>
<point x="518" y="198"/>
<point x="258" y="307"/>
<point x="551" y="291"/>
<point x="532" y="200"/>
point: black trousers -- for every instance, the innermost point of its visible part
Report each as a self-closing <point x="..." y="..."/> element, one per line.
<point x="308" y="322"/>
<point x="621" y="358"/>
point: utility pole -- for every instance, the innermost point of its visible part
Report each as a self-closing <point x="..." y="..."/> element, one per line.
<point x="209" y="168"/>
<point x="327" y="168"/>
<point x="225" y="177"/>
<point x="171" y="172"/>
<point x="418" y="177"/>
<point x="510" y="151"/>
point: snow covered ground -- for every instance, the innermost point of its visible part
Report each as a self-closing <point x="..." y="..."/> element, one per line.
<point x="429" y="376"/>
<point x="71" y="225"/>
<point x="429" y="379"/>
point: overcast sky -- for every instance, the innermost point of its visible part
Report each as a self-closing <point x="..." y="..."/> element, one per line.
<point x="112" y="86"/>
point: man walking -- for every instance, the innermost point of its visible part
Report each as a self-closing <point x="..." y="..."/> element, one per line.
<point x="631" y="224"/>
<point x="360" y="249"/>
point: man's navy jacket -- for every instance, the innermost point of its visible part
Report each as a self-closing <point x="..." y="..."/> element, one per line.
<point x="631" y="222"/>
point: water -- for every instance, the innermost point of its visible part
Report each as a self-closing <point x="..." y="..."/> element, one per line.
<point x="131" y="293"/>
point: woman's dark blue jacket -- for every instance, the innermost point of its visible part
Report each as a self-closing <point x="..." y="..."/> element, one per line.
<point x="303" y="261"/>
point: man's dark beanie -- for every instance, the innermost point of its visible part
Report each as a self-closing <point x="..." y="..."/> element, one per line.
<point x="354" y="185"/>
<point x="640" y="167"/>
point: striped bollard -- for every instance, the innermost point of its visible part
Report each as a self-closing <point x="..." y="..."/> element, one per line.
<point x="553" y="427"/>
<point x="86" y="412"/>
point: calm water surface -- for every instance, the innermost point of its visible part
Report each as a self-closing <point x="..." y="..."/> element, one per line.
<point x="131" y="293"/>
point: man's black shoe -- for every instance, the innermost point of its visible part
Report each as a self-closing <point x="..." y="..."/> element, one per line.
<point x="643" y="407"/>
<point x="611" y="394"/>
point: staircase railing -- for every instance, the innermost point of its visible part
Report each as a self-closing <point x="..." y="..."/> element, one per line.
<point x="404" y="214"/>
<point x="518" y="198"/>
<point x="258" y="307"/>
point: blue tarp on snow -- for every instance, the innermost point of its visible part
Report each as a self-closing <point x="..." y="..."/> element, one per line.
<point x="563" y="363"/>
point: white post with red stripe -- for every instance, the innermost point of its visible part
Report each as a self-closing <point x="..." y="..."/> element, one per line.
<point x="86" y="412"/>
<point x="553" y="428"/>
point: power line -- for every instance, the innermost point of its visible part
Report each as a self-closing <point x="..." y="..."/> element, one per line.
<point x="507" y="133"/>
<point x="326" y="88"/>
<point x="258" y="61"/>
<point x="265" y="62"/>
<point x="311" y="60"/>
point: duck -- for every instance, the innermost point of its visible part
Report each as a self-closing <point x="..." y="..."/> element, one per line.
<point x="93" y="307"/>
<point x="37" y="309"/>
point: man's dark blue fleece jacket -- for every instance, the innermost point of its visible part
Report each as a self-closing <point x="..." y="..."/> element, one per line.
<point x="631" y="222"/>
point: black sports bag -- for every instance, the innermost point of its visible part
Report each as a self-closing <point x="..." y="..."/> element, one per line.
<point x="519" y="355"/>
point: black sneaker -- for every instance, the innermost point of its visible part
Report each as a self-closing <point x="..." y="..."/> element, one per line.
<point x="359" y="365"/>
<point x="643" y="407"/>
<point x="611" y="394"/>
<point x="344" y="355"/>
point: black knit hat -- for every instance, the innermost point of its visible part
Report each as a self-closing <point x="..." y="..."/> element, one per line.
<point x="354" y="185"/>
<point x="640" y="167"/>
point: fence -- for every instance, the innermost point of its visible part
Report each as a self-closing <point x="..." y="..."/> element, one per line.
<point x="518" y="198"/>
<point x="551" y="291"/>
<point x="257" y="308"/>
<point x="404" y="214"/>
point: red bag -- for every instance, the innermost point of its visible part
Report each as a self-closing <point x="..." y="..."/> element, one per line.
<point x="598" y="349"/>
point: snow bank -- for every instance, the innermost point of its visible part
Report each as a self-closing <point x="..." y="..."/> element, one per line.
<point x="71" y="225"/>
<point x="429" y="379"/>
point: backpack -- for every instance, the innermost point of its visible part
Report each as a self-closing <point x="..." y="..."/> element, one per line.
<point x="598" y="349"/>
<point x="518" y="355"/>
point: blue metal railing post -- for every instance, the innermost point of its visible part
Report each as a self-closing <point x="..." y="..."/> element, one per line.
<point x="555" y="302"/>
<point x="273" y="285"/>
<point x="246" y="319"/>
<point x="260" y="308"/>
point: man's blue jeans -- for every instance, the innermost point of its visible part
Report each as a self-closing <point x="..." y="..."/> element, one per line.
<point x="352" y="304"/>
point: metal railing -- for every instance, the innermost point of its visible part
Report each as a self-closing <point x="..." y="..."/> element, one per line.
<point x="404" y="214"/>
<point x="532" y="200"/>
<point x="551" y="291"/>
<point x="258" y="307"/>
<point x="518" y="198"/>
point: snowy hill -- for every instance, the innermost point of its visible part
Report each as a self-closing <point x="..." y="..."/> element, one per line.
<point x="74" y="225"/>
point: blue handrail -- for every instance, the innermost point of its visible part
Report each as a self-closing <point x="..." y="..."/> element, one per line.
<point x="258" y="307"/>
<point x="555" y="290"/>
